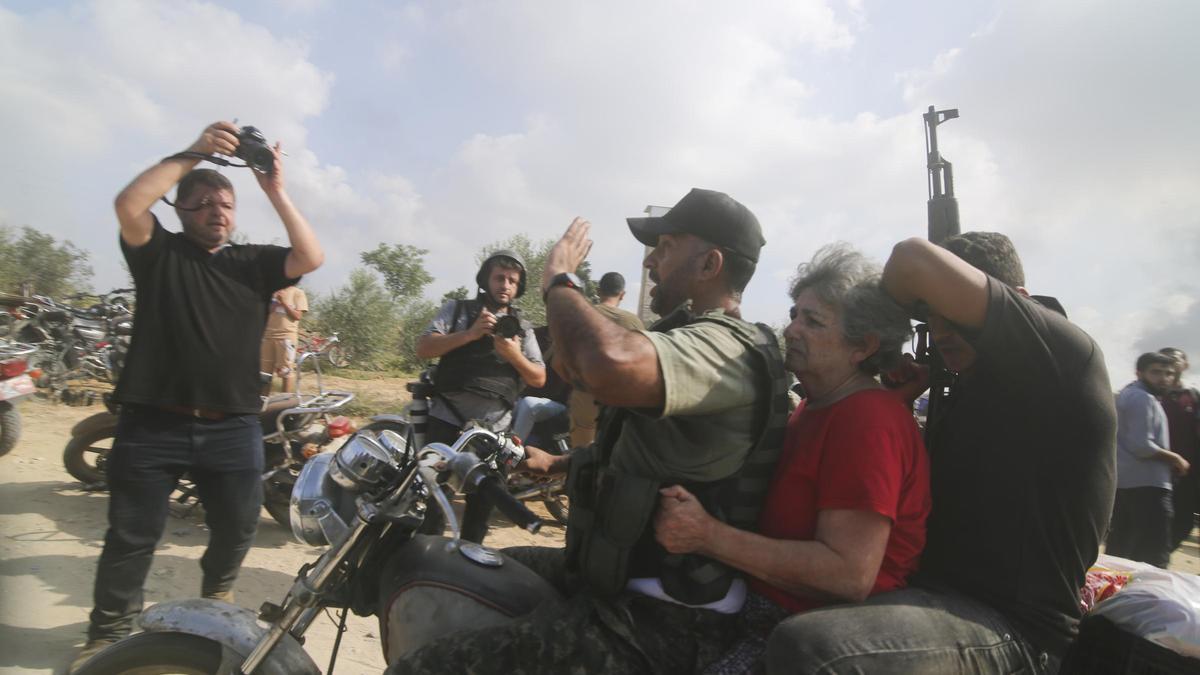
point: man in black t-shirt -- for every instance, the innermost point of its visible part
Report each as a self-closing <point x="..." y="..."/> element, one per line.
<point x="190" y="391"/>
<point x="1022" y="463"/>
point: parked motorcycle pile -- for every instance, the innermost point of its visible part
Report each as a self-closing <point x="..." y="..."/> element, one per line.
<point x="72" y="343"/>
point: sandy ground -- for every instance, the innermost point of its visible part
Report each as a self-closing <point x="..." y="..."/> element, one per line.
<point x="51" y="533"/>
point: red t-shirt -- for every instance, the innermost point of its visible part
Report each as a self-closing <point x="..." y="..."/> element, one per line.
<point x="863" y="453"/>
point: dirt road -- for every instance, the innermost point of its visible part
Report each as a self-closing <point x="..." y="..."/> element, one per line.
<point x="51" y="533"/>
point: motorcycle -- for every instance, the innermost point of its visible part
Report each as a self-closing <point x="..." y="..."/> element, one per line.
<point x="551" y="435"/>
<point x="366" y="502"/>
<point x="15" y="383"/>
<point x="77" y="343"/>
<point x="295" y="427"/>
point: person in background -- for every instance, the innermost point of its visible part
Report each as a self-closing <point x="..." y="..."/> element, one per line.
<point x="281" y="336"/>
<point x="1143" y="512"/>
<point x="1182" y="405"/>
<point x="480" y="373"/>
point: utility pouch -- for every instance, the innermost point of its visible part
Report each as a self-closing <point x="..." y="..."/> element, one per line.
<point x="626" y="503"/>
<point x="581" y="489"/>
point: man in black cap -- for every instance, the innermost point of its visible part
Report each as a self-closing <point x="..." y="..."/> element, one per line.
<point x="697" y="400"/>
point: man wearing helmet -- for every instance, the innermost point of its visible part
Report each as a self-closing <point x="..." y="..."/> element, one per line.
<point x="480" y="373"/>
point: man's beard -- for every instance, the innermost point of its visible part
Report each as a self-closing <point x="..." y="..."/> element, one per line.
<point x="1154" y="389"/>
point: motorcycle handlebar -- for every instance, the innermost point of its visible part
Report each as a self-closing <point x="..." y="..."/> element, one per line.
<point x="492" y="487"/>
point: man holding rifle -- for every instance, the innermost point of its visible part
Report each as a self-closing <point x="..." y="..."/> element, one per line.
<point x="1023" y="476"/>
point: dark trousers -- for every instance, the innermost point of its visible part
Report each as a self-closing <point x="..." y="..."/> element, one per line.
<point x="151" y="451"/>
<point x="1141" y="525"/>
<point x="626" y="634"/>
<point x="478" y="508"/>
<point x="1185" y="500"/>
<point x="912" y="630"/>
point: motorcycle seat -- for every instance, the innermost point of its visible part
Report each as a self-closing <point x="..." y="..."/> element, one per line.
<point x="276" y="404"/>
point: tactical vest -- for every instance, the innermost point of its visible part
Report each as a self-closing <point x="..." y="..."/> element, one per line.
<point x="610" y="537"/>
<point x="476" y="367"/>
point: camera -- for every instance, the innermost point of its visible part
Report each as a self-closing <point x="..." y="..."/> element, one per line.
<point x="507" y="326"/>
<point x="254" y="150"/>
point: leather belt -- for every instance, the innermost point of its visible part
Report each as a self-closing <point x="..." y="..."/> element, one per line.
<point x="199" y="413"/>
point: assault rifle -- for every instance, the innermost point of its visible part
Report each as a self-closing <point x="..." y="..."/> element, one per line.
<point x="942" y="210"/>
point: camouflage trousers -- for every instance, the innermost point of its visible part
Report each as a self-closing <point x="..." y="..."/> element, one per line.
<point x="629" y="633"/>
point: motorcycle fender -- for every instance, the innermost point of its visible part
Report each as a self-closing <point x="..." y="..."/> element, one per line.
<point x="101" y="420"/>
<point x="235" y="628"/>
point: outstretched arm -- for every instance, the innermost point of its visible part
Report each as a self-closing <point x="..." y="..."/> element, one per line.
<point x="618" y="366"/>
<point x="952" y="288"/>
<point x="133" y="203"/>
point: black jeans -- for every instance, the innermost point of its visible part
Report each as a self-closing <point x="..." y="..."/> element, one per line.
<point x="1141" y="525"/>
<point x="152" y="450"/>
<point x="1185" y="499"/>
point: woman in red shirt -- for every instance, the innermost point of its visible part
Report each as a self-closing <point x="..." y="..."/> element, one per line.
<point x="844" y="517"/>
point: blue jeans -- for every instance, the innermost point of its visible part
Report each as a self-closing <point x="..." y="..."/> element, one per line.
<point x="913" y="630"/>
<point x="531" y="410"/>
<point x="151" y="451"/>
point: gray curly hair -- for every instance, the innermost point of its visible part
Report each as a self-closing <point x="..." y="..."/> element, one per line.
<point x="845" y="279"/>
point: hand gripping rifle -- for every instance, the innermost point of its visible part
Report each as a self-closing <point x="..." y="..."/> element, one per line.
<point x="943" y="223"/>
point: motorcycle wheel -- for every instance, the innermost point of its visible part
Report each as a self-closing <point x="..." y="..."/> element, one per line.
<point x="338" y="356"/>
<point x="85" y="455"/>
<point x="157" y="654"/>
<point x="10" y="427"/>
<point x="558" y="507"/>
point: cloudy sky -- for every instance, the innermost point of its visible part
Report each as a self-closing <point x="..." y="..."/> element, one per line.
<point x="450" y="125"/>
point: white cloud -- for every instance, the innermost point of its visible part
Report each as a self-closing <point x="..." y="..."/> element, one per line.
<point x="1075" y="138"/>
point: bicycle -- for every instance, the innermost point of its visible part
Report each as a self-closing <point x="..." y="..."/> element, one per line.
<point x="330" y="348"/>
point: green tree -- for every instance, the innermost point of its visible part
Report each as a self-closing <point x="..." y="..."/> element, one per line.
<point x="37" y="259"/>
<point x="402" y="267"/>
<point x="535" y="254"/>
<point x="413" y="317"/>
<point x="363" y="314"/>
<point x="460" y="293"/>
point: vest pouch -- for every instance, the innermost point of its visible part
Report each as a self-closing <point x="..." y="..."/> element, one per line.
<point x="581" y="490"/>
<point x="626" y="503"/>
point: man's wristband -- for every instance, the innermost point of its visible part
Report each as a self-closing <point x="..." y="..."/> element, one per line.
<point x="563" y="279"/>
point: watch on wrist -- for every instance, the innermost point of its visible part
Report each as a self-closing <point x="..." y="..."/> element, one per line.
<point x="567" y="279"/>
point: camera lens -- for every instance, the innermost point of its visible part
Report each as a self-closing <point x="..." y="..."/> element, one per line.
<point x="507" y="326"/>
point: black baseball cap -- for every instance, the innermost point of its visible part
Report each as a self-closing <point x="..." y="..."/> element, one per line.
<point x="713" y="216"/>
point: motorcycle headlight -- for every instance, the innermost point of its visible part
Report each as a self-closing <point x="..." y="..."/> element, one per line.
<point x="361" y="464"/>
<point x="320" y="509"/>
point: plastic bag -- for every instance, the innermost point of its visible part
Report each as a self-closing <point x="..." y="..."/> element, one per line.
<point x="1159" y="605"/>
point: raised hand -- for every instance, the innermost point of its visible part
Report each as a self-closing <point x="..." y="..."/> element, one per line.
<point x="218" y="138"/>
<point x="569" y="252"/>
